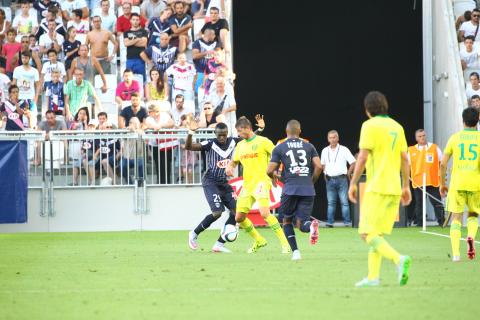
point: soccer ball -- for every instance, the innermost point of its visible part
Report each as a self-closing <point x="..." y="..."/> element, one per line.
<point x="229" y="233"/>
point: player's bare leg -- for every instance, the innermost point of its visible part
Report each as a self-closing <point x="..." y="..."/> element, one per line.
<point x="275" y="226"/>
<point x="472" y="228"/>
<point x="247" y="225"/>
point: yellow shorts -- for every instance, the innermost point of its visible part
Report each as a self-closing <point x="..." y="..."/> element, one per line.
<point x="248" y="196"/>
<point x="458" y="199"/>
<point x="378" y="213"/>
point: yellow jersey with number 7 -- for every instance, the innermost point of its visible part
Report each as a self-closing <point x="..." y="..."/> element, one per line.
<point x="464" y="148"/>
<point x="385" y="140"/>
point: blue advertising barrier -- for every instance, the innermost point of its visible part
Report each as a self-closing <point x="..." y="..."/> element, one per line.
<point x="13" y="181"/>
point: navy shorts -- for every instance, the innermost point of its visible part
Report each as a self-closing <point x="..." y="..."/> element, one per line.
<point x="299" y="206"/>
<point x="219" y="196"/>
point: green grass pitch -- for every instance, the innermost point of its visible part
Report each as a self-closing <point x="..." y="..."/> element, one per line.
<point x="154" y="275"/>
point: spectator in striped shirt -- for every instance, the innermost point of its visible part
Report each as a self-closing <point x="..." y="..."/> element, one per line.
<point x="161" y="56"/>
<point x="202" y="51"/>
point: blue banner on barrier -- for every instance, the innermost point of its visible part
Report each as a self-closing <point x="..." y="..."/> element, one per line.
<point x="13" y="181"/>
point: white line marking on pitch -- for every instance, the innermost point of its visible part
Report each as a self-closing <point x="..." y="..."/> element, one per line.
<point x="443" y="235"/>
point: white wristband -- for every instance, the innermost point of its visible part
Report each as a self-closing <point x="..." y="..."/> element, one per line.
<point x="191" y="132"/>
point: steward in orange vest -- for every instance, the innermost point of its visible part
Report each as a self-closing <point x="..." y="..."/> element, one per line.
<point x="425" y="158"/>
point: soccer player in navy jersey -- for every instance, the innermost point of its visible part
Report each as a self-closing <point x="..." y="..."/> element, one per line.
<point x="219" y="194"/>
<point x="302" y="168"/>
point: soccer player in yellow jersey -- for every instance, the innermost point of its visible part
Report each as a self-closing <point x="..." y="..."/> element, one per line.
<point x="254" y="154"/>
<point x="464" y="148"/>
<point x="383" y="152"/>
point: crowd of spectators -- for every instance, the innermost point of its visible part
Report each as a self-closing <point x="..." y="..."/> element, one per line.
<point x="61" y="63"/>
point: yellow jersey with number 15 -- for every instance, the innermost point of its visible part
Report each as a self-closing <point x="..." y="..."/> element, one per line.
<point x="464" y="148"/>
<point x="254" y="154"/>
<point x="385" y="140"/>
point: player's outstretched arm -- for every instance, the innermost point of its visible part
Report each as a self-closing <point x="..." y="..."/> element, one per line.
<point x="317" y="169"/>
<point x="405" y="169"/>
<point x="260" y="123"/>
<point x="443" y="174"/>
<point x="192" y="127"/>
<point x="359" y="168"/>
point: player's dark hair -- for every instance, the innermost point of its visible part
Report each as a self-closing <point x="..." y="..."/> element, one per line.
<point x="474" y="74"/>
<point x="419" y="130"/>
<point x="243" y="122"/>
<point x="376" y="103"/>
<point x="103" y="113"/>
<point x="13" y="86"/>
<point x="221" y="126"/>
<point x="470" y="117"/>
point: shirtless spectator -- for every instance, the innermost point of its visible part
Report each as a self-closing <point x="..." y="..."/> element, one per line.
<point x="469" y="54"/>
<point x="135" y="40"/>
<point x="123" y="22"/>
<point x="125" y="88"/>
<point x="98" y="38"/>
<point x="69" y="5"/>
<point x="24" y="23"/>
<point x="221" y="28"/>
<point x="180" y="23"/>
<point x="159" y="25"/>
<point x="152" y="8"/>
<point x="470" y="28"/>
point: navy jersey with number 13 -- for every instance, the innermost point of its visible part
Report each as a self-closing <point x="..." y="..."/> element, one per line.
<point x="296" y="156"/>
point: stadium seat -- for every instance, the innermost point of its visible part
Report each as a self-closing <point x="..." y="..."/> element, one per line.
<point x="460" y="6"/>
<point x="57" y="156"/>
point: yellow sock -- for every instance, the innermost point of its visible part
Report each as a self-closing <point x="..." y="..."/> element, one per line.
<point x="247" y="225"/>
<point x="374" y="264"/>
<point x="455" y="235"/>
<point x="383" y="248"/>
<point x="472" y="226"/>
<point x="275" y="226"/>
